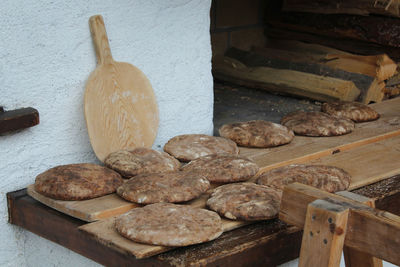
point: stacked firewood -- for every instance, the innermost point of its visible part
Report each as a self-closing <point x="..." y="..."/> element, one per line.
<point x="342" y="55"/>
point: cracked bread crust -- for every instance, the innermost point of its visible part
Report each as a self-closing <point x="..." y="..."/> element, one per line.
<point x="257" y="133"/>
<point x="130" y="163"/>
<point x="317" y="124"/>
<point x="168" y="224"/>
<point x="354" y="111"/>
<point x="245" y="201"/>
<point x="173" y="187"/>
<point x="223" y="168"/>
<point x="77" y="181"/>
<point x="188" y="147"/>
<point x="327" y="178"/>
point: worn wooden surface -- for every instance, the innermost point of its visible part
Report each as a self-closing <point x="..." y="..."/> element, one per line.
<point x="367" y="164"/>
<point x="356" y="7"/>
<point x="87" y="210"/>
<point x="120" y="106"/>
<point x="353" y="257"/>
<point x="382" y="227"/>
<point x="303" y="149"/>
<point x="374" y="29"/>
<point x="321" y="245"/>
<point x="266" y="243"/>
<point x="17" y="119"/>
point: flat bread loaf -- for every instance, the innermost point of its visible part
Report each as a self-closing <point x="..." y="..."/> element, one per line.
<point x="327" y="178"/>
<point x="223" y="168"/>
<point x="354" y="111"/>
<point x="173" y="186"/>
<point x="168" y="224"/>
<point x="245" y="201"/>
<point x="141" y="160"/>
<point x="317" y="124"/>
<point x="188" y="147"/>
<point x="257" y="133"/>
<point x="77" y="182"/>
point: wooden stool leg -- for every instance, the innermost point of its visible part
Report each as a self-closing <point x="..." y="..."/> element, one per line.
<point x="324" y="234"/>
<point x="356" y="258"/>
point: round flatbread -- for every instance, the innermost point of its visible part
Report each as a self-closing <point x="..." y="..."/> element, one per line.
<point x="245" y="201"/>
<point x="77" y="181"/>
<point x="167" y="224"/>
<point x="257" y="133"/>
<point x="317" y="124"/>
<point x="354" y="111"/>
<point x="328" y="178"/>
<point x="223" y="168"/>
<point x="141" y="160"/>
<point x="188" y="147"/>
<point x="173" y="186"/>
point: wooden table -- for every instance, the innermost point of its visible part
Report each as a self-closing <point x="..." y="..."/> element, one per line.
<point x="266" y="243"/>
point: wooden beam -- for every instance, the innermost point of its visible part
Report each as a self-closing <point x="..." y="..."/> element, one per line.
<point x="18" y="119"/>
<point x="324" y="234"/>
<point x="345" y="44"/>
<point x="374" y="29"/>
<point x="371" y="89"/>
<point x="353" y="257"/>
<point x="284" y="81"/>
<point x="383" y="228"/>
<point x="356" y="7"/>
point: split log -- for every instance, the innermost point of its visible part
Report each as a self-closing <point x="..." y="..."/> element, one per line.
<point x="302" y="47"/>
<point x="284" y="81"/>
<point x="379" y="66"/>
<point x="375" y="29"/>
<point x="309" y="63"/>
<point x="356" y="7"/>
<point x="349" y="45"/>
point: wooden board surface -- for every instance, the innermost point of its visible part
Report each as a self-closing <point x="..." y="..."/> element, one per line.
<point x="367" y="164"/>
<point x="87" y="210"/>
<point x="120" y="106"/>
<point x="301" y="150"/>
<point x="104" y="231"/>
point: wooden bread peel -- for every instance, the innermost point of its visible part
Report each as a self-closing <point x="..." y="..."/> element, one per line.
<point x="120" y="106"/>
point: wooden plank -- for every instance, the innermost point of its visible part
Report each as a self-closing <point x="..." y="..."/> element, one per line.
<point x="379" y="66"/>
<point x="373" y="29"/>
<point x="367" y="164"/>
<point x="17" y="119"/>
<point x="266" y="243"/>
<point x="284" y="81"/>
<point x="87" y="210"/>
<point x="356" y="7"/>
<point x="318" y="64"/>
<point x="349" y="45"/>
<point x="104" y="231"/>
<point x="323" y="234"/>
<point x="304" y="149"/>
<point x="383" y="228"/>
<point x="353" y="257"/>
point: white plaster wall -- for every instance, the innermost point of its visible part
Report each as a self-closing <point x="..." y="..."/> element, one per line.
<point x="46" y="55"/>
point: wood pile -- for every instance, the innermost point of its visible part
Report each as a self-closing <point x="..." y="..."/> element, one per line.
<point x="340" y="56"/>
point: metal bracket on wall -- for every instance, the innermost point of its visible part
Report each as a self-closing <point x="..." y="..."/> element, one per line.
<point x="17" y="119"/>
